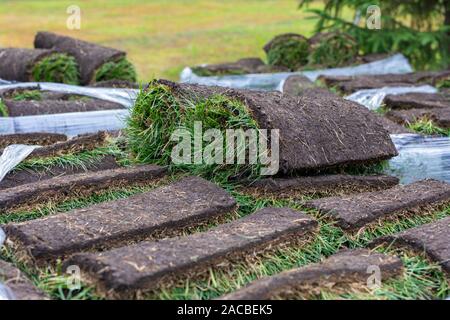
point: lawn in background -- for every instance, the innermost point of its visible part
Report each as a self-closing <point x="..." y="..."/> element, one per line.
<point x="161" y="37"/>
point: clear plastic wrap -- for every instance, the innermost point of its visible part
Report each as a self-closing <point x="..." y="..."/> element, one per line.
<point x="274" y="81"/>
<point x="420" y="157"/>
<point x="70" y="124"/>
<point x="6" y="293"/>
<point x="125" y="97"/>
<point x="373" y="98"/>
<point x="2" y="237"/>
<point x="13" y="155"/>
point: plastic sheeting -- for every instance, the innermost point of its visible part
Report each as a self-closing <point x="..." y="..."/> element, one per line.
<point x="13" y="155"/>
<point x="2" y="237"/>
<point x="6" y="293"/>
<point x="420" y="157"/>
<point x="373" y="98"/>
<point x="70" y="124"/>
<point x="274" y="81"/>
<point x="125" y="97"/>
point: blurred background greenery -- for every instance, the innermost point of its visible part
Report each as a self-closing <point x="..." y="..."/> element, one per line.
<point x="161" y="37"/>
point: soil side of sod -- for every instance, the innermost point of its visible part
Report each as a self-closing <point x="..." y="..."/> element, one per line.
<point x="416" y="100"/>
<point x="433" y="239"/>
<point x="156" y="214"/>
<point x="35" y="138"/>
<point x="321" y="185"/>
<point x="343" y="270"/>
<point x="355" y="211"/>
<point x="21" y="177"/>
<point x="65" y="187"/>
<point x="125" y="272"/>
<point x="75" y="145"/>
<point x="440" y="117"/>
<point x="21" y="287"/>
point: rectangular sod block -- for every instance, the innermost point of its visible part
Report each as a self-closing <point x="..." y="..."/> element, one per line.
<point x="346" y="268"/>
<point x="145" y="266"/>
<point x="355" y="211"/>
<point x="157" y="213"/>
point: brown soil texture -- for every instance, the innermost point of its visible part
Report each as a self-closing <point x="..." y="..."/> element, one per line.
<point x="391" y="126"/>
<point x="21" y="177"/>
<point x="35" y="138"/>
<point x="326" y="184"/>
<point x="315" y="133"/>
<point x="89" y="56"/>
<point x="242" y="66"/>
<point x="432" y="238"/>
<point x="74" y="145"/>
<point x="16" y="64"/>
<point x="21" y="287"/>
<point x="300" y="85"/>
<point x="417" y="100"/>
<point x="350" y="84"/>
<point x="153" y="214"/>
<point x="115" y="83"/>
<point x="32" y="108"/>
<point x="439" y="116"/>
<point x="355" y="211"/>
<point x="348" y="267"/>
<point x="144" y="266"/>
<point x="65" y="187"/>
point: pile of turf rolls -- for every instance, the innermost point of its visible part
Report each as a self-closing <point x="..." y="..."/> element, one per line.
<point x="314" y="133"/>
<point x="288" y="50"/>
<point x="96" y="63"/>
<point x="323" y="50"/>
<point x="41" y="65"/>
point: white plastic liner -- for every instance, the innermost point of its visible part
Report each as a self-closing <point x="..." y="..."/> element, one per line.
<point x="373" y="98"/>
<point x="420" y="157"/>
<point x="274" y="81"/>
<point x="125" y="97"/>
<point x="2" y="237"/>
<point x="70" y="124"/>
<point x="6" y="293"/>
<point x="12" y="155"/>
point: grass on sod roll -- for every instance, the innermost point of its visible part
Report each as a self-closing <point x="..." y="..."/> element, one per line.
<point x="57" y="67"/>
<point x="289" y="53"/>
<point x="3" y="109"/>
<point x="157" y="114"/>
<point x="333" y="51"/>
<point x="116" y="70"/>
<point x="427" y="127"/>
<point x="35" y="95"/>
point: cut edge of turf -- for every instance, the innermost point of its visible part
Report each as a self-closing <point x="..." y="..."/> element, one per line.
<point x="56" y="67"/>
<point x="121" y="69"/>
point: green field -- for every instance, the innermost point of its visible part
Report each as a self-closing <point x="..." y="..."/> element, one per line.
<point x="161" y="36"/>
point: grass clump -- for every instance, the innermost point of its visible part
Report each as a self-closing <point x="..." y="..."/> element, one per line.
<point x="157" y="114"/>
<point x="333" y="50"/>
<point x="57" y="67"/>
<point x="291" y="53"/>
<point x="34" y="95"/>
<point x="427" y="127"/>
<point x="116" y="70"/>
<point x="3" y="109"/>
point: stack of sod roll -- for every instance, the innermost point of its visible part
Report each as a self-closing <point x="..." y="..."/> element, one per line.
<point x="96" y="63"/>
<point x="67" y="60"/>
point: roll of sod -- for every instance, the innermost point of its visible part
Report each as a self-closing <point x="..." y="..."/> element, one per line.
<point x="332" y="49"/>
<point x="39" y="65"/>
<point x="288" y="50"/>
<point x="97" y="63"/>
<point x="314" y="133"/>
